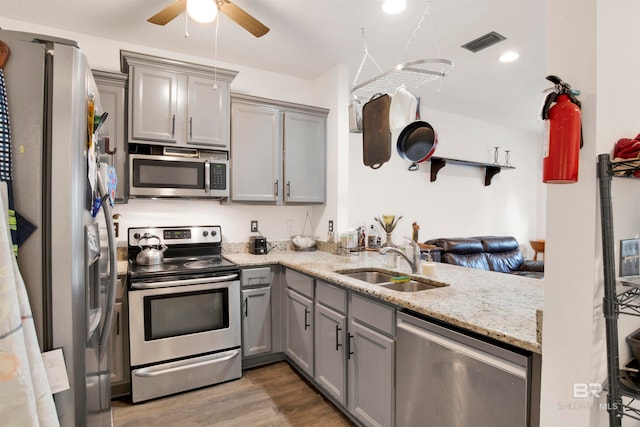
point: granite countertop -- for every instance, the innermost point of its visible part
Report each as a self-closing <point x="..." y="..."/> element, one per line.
<point x="498" y="305"/>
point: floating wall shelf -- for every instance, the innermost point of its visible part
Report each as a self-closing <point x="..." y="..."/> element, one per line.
<point x="490" y="169"/>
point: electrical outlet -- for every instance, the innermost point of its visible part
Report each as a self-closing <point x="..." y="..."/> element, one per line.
<point x="291" y="226"/>
<point x="254" y="226"/>
<point x="331" y="225"/>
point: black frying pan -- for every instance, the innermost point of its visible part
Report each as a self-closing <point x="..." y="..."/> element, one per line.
<point x="417" y="141"/>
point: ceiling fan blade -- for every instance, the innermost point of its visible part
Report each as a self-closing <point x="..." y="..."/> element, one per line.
<point x="169" y="13"/>
<point x="242" y="18"/>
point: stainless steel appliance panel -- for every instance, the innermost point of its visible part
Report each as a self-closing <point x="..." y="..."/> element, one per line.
<point x="447" y="379"/>
<point x="49" y="82"/>
<point x="149" y="345"/>
<point x="205" y="175"/>
<point x="174" y="377"/>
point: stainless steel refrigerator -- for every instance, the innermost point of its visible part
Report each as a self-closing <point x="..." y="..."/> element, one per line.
<point x="68" y="265"/>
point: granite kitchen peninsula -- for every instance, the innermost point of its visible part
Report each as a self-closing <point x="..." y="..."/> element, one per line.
<point x="468" y="343"/>
<point x="497" y="305"/>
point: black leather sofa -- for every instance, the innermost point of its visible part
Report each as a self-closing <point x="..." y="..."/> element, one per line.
<point x="494" y="253"/>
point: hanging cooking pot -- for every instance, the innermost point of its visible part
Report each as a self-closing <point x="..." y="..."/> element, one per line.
<point x="417" y="142"/>
<point x="150" y="255"/>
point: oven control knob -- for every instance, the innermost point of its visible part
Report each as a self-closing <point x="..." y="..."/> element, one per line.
<point x="213" y="233"/>
<point x="136" y="235"/>
<point x="205" y="233"/>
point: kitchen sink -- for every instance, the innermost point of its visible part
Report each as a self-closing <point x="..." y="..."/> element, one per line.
<point x="382" y="278"/>
<point x="369" y="276"/>
<point x="410" y="286"/>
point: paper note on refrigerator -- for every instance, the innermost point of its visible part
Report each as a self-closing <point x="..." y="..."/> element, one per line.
<point x="56" y="370"/>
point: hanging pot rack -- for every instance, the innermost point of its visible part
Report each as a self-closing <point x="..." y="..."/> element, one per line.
<point x="412" y="74"/>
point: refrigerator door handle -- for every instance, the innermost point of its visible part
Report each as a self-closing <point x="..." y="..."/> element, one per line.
<point x="111" y="292"/>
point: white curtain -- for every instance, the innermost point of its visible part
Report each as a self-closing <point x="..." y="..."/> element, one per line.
<point x="25" y="396"/>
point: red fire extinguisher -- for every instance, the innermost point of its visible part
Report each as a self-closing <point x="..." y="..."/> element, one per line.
<point x="562" y="148"/>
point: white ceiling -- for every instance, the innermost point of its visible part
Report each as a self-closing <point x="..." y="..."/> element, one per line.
<point x="308" y="37"/>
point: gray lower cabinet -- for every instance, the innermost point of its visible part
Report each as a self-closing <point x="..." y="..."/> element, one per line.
<point x="355" y="353"/>
<point x="371" y="362"/>
<point x="256" y="311"/>
<point x="119" y="343"/>
<point x="446" y="378"/>
<point x="330" y="341"/>
<point x="256" y="321"/>
<point x="298" y="341"/>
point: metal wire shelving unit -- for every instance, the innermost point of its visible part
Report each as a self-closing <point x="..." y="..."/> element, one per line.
<point x="623" y="388"/>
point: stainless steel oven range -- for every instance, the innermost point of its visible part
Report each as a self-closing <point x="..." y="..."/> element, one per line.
<point x="184" y="311"/>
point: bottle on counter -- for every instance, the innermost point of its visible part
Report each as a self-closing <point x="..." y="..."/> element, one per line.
<point x="428" y="267"/>
<point x="373" y="239"/>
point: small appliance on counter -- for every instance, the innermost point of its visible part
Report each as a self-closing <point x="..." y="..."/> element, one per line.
<point x="258" y="245"/>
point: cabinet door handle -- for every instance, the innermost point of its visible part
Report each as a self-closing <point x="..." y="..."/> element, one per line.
<point x="118" y="323"/>
<point x="246" y="307"/>
<point x="288" y="189"/>
<point x="275" y="188"/>
<point x="173" y="126"/>
<point x="306" y="317"/>
<point x="338" y="345"/>
<point x="190" y="127"/>
<point x="349" y="353"/>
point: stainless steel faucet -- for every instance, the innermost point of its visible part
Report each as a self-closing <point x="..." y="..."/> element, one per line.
<point x="415" y="263"/>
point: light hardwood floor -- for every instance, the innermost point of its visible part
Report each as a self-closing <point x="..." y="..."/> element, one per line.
<point x="272" y="395"/>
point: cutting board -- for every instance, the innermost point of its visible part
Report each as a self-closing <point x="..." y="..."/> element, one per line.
<point x="376" y="134"/>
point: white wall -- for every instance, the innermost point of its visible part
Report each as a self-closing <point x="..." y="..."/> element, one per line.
<point x="457" y="204"/>
<point x="592" y="45"/>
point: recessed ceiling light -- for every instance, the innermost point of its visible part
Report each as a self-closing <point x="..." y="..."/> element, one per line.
<point x="393" y="7"/>
<point x="509" y="57"/>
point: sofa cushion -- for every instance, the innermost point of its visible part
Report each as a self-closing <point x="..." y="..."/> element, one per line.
<point x="502" y="253"/>
<point x="463" y="251"/>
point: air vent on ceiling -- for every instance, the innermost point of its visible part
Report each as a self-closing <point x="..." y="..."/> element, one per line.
<point x="484" y="42"/>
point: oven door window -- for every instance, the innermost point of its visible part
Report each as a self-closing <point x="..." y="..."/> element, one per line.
<point x="177" y="314"/>
<point x="149" y="173"/>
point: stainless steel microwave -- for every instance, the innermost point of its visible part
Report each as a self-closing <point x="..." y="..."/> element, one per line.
<point x="179" y="173"/>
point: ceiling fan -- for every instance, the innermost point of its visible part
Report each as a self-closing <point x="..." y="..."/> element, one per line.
<point x="237" y="14"/>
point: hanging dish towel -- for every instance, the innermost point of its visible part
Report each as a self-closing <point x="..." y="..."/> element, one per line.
<point x="402" y="110"/>
<point x="6" y="164"/>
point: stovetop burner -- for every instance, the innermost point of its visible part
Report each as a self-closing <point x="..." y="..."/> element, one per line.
<point x="202" y="263"/>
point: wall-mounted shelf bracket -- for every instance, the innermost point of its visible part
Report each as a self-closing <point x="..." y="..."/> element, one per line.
<point x="490" y="169"/>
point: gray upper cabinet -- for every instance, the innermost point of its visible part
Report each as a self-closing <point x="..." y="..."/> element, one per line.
<point x="177" y="104"/>
<point x="304" y="157"/>
<point x="112" y="136"/>
<point x="255" y="167"/>
<point x="278" y="151"/>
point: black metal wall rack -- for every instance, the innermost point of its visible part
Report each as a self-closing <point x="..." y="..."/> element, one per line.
<point x="623" y="388"/>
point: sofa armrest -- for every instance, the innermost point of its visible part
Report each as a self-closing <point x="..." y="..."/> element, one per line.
<point x="530" y="265"/>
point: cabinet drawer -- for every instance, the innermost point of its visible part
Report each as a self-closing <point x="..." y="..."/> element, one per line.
<point x="331" y="296"/>
<point x="379" y="316"/>
<point x="256" y="276"/>
<point x="301" y="283"/>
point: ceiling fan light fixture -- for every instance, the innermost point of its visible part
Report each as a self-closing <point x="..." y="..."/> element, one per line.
<point x="203" y="11"/>
<point x="393" y="7"/>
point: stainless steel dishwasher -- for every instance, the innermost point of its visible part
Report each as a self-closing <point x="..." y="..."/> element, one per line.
<point x="447" y="379"/>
